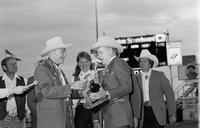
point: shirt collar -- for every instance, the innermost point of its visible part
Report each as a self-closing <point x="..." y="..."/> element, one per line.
<point x="110" y="61"/>
<point x="85" y="72"/>
<point x="146" y="73"/>
<point x="6" y="77"/>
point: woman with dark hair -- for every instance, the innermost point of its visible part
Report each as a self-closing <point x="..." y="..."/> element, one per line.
<point x="83" y="71"/>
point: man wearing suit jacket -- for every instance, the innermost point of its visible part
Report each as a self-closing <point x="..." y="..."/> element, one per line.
<point x="32" y="103"/>
<point x="116" y="81"/>
<point x="53" y="91"/>
<point x="154" y="86"/>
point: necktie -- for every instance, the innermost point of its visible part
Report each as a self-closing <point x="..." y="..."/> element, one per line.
<point x="146" y="76"/>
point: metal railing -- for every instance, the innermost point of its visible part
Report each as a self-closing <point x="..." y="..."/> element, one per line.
<point x="184" y="90"/>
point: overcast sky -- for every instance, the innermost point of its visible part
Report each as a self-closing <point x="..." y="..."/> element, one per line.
<point x="25" y="25"/>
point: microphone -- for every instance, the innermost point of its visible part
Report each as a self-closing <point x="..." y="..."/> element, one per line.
<point x="35" y="82"/>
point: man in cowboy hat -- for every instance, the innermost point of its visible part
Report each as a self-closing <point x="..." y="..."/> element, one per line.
<point x="190" y="72"/>
<point x="12" y="86"/>
<point x="53" y="91"/>
<point x="154" y="86"/>
<point x="116" y="80"/>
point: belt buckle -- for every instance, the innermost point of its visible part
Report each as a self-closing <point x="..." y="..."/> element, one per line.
<point x="147" y="103"/>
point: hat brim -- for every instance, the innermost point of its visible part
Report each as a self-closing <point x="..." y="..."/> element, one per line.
<point x="150" y="57"/>
<point x="17" y="59"/>
<point x="108" y="44"/>
<point x="47" y="50"/>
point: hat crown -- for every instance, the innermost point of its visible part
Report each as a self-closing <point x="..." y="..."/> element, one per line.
<point x="106" y="41"/>
<point x="144" y="53"/>
<point x="56" y="41"/>
<point x="9" y="54"/>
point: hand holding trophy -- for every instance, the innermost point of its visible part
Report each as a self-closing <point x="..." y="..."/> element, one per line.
<point x="94" y="94"/>
<point x="78" y="85"/>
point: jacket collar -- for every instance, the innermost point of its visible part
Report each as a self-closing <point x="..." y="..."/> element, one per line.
<point x="111" y="61"/>
<point x="54" y="71"/>
<point x="151" y="78"/>
<point x="146" y="73"/>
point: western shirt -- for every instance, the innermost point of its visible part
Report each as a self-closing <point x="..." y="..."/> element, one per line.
<point x="145" y="84"/>
<point x="11" y="107"/>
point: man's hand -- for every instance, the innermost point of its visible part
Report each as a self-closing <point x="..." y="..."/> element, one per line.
<point x="19" y="89"/>
<point x="78" y="85"/>
<point x="96" y="124"/>
<point x="98" y="95"/>
<point x="172" y="119"/>
<point x="135" y="122"/>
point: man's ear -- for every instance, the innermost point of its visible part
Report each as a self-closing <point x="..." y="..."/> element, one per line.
<point x="4" y="67"/>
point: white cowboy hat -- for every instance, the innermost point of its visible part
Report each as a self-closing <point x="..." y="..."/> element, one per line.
<point x="8" y="54"/>
<point x="105" y="41"/>
<point x="54" y="43"/>
<point x="146" y="54"/>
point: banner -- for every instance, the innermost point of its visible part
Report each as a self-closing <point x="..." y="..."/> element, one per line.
<point x="174" y="56"/>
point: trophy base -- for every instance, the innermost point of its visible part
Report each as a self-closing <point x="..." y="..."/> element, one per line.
<point x="98" y="104"/>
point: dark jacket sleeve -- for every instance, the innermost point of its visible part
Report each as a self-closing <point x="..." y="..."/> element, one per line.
<point x="169" y="94"/>
<point x="42" y="75"/>
<point x="31" y="98"/>
<point x="122" y="79"/>
<point x="136" y="98"/>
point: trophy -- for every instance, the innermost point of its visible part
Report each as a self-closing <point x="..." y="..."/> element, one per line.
<point x="94" y="105"/>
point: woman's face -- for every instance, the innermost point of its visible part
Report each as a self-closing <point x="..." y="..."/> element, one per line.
<point x="84" y="64"/>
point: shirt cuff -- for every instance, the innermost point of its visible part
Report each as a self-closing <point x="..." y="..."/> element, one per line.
<point x="5" y="92"/>
<point x="95" y="121"/>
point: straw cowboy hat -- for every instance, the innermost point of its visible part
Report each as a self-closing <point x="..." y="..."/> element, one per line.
<point x="54" y="43"/>
<point x="8" y="54"/>
<point x="146" y="54"/>
<point x="105" y="41"/>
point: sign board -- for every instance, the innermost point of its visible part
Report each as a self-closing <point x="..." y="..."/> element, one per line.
<point x="161" y="37"/>
<point x="174" y="56"/>
<point x="142" y="39"/>
<point x="133" y="45"/>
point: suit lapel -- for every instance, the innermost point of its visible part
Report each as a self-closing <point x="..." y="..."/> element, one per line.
<point x="106" y="70"/>
<point x="139" y="78"/>
<point x="110" y="64"/>
<point x="54" y="73"/>
<point x="152" y="80"/>
<point x="100" y="74"/>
